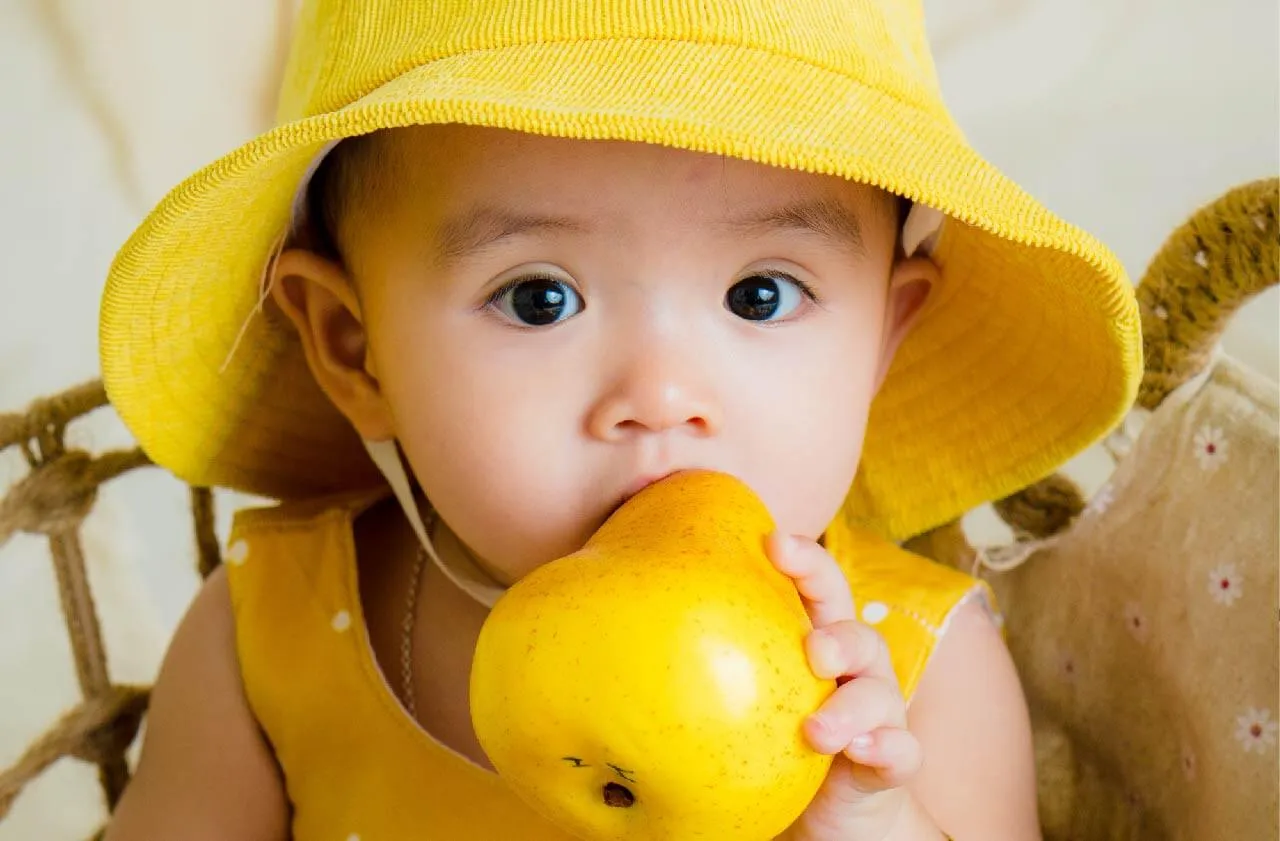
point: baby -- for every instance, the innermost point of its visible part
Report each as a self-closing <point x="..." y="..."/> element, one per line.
<point x="505" y="263"/>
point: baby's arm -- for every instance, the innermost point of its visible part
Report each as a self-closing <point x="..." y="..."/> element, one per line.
<point x="971" y="718"/>
<point x="206" y="772"/>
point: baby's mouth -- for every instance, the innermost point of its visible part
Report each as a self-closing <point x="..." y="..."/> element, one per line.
<point x="639" y="485"/>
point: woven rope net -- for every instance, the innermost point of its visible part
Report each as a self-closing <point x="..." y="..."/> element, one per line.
<point x="52" y="500"/>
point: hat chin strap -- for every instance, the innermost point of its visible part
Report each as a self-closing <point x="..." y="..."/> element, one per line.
<point x="919" y="233"/>
<point x="465" y="574"/>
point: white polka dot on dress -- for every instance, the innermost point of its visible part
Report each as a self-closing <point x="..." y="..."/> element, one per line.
<point x="873" y="613"/>
<point x="341" y="621"/>
<point x="237" y="553"/>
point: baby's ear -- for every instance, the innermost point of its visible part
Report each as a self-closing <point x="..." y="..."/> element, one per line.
<point x="910" y="285"/>
<point x="316" y="294"/>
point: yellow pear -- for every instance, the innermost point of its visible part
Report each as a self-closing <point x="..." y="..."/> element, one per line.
<point x="653" y="685"/>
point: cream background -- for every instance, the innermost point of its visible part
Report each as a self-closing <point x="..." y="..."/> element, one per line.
<point x="1123" y="115"/>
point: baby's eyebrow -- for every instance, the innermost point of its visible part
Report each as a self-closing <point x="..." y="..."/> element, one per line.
<point x="484" y="225"/>
<point x="826" y="218"/>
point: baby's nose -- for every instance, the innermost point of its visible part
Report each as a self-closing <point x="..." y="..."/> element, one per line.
<point x="658" y="393"/>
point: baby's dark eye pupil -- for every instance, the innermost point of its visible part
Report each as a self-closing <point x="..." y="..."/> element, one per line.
<point x="539" y="301"/>
<point x="755" y="299"/>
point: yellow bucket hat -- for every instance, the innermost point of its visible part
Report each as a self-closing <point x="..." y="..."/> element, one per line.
<point x="1029" y="350"/>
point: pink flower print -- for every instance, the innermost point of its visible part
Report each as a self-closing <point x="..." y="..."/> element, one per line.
<point x="1226" y="584"/>
<point x="1210" y="447"/>
<point x="1255" y="731"/>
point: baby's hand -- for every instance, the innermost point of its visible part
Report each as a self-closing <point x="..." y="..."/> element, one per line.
<point x="864" y="722"/>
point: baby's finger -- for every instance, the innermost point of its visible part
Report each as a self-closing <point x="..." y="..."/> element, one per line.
<point x="849" y="649"/>
<point x="817" y="576"/>
<point x="893" y="753"/>
<point x="855" y="709"/>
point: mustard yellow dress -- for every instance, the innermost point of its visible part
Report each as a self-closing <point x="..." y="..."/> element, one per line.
<point x="356" y="766"/>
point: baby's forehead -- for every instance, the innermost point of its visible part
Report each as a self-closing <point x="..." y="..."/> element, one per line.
<point x="464" y="168"/>
<point x="456" y="189"/>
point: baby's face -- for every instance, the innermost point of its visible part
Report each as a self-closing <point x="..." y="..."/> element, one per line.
<point x="552" y="324"/>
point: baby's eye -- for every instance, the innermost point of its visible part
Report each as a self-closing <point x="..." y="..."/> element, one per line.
<point x="765" y="297"/>
<point x="537" y="301"/>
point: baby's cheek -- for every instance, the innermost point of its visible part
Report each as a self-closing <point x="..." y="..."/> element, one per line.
<point x="810" y="480"/>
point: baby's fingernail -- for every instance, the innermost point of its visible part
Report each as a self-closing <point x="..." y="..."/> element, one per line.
<point x="824" y="654"/>
<point x="821" y="734"/>
<point x="861" y="745"/>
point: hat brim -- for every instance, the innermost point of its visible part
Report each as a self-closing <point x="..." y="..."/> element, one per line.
<point x="1028" y="352"/>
